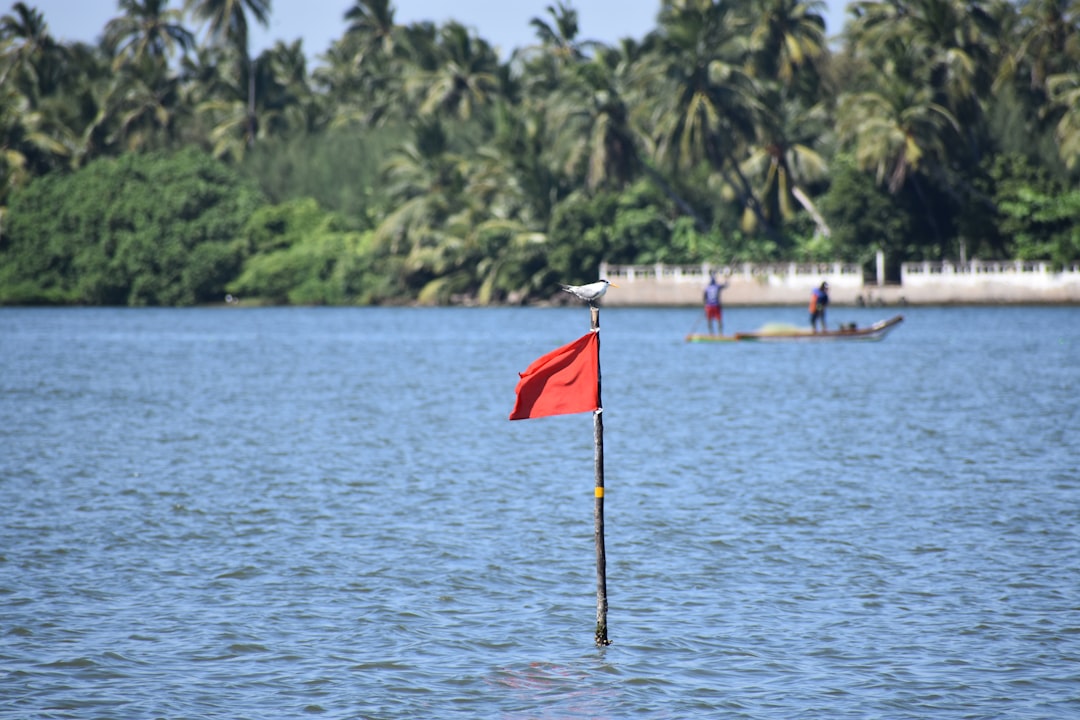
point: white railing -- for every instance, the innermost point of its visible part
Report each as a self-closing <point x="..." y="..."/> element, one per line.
<point x="1023" y="271"/>
<point x="844" y="273"/>
<point x="977" y="281"/>
<point x="697" y="274"/>
<point x="986" y="267"/>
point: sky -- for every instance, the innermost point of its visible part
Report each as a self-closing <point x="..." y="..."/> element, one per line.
<point x="503" y="23"/>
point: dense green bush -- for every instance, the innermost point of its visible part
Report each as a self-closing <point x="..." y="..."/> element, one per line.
<point x="863" y="218"/>
<point x="298" y="253"/>
<point x="1038" y="216"/>
<point x="488" y="180"/>
<point x="633" y="226"/>
<point x="136" y="230"/>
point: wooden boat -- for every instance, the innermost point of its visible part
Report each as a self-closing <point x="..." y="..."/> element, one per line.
<point x="877" y="331"/>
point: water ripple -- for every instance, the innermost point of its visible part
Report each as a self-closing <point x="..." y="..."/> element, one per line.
<point x="311" y="511"/>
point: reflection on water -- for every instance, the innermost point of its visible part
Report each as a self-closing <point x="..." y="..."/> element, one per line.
<point x="233" y="513"/>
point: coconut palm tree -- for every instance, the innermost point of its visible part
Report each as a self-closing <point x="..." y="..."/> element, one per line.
<point x="594" y="135"/>
<point x="50" y="85"/>
<point x="372" y="26"/>
<point x="139" y="110"/>
<point x="465" y="77"/>
<point x="540" y="69"/>
<point x="227" y="20"/>
<point x="296" y="107"/>
<point x="1064" y="90"/>
<point x="227" y="24"/>
<point x="425" y="185"/>
<point x="560" y="37"/>
<point x="147" y="28"/>
<point x="705" y="103"/>
<point x="1048" y="41"/>
<point x="27" y="148"/>
<point x="783" y="160"/>
<point x="896" y="130"/>
<point x="284" y="102"/>
<point x="203" y="73"/>
<point x="30" y="54"/>
<point x="946" y="45"/>
<point x="522" y="181"/>
<point x="364" y="71"/>
<point x="787" y="35"/>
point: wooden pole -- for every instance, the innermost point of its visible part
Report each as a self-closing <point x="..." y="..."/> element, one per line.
<point x="598" y="507"/>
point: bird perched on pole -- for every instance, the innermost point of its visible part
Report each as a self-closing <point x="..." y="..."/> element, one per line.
<point x="591" y="292"/>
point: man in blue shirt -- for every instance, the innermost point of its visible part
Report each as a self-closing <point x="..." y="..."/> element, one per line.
<point x="713" y="308"/>
<point x="819" y="298"/>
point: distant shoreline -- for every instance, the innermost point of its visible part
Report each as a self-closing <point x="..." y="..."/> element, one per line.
<point x="943" y="283"/>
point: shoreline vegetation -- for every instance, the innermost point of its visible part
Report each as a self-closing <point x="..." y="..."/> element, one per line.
<point x="164" y="165"/>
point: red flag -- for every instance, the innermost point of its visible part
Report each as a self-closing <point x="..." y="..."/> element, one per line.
<point x="566" y="380"/>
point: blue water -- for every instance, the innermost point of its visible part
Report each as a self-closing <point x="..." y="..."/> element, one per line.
<point x="271" y="513"/>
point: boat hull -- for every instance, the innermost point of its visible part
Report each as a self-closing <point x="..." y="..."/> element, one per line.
<point x="871" y="333"/>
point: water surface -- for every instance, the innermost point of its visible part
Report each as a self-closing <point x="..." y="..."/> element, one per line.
<point x="248" y="513"/>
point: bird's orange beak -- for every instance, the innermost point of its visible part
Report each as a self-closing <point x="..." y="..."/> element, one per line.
<point x="612" y="284"/>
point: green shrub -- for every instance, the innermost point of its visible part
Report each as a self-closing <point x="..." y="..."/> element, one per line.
<point x="136" y="230"/>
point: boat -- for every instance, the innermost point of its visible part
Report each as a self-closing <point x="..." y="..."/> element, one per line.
<point x="787" y="333"/>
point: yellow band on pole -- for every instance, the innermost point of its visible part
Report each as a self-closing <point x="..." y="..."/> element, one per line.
<point x="599" y="492"/>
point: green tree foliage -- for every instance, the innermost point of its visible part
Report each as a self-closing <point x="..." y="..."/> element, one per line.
<point x="298" y="253"/>
<point x="627" y="227"/>
<point x="146" y="29"/>
<point x="863" y="218"/>
<point x="339" y="168"/>
<point x="137" y="230"/>
<point x="731" y="132"/>
<point x="1039" y="219"/>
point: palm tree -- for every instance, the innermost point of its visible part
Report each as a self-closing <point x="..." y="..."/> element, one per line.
<point x="957" y="40"/>
<point x="203" y="74"/>
<point x="946" y="45"/>
<point x="704" y="101"/>
<point x="291" y="96"/>
<point x="364" y="70"/>
<point x="26" y="147"/>
<point x="522" y="182"/>
<point x="147" y="28"/>
<point x="593" y="127"/>
<point x="539" y="69"/>
<point x="371" y="24"/>
<point x="50" y="87"/>
<point x="1048" y="41"/>
<point x="784" y="159"/>
<point x="284" y="102"/>
<point x="30" y="52"/>
<point x="227" y="22"/>
<point x="423" y="180"/>
<point x="139" y="110"/>
<point x="896" y="130"/>
<point x="1064" y="90"/>
<point x="465" y="77"/>
<point x="787" y="35"/>
<point x="429" y="225"/>
<point x="503" y="197"/>
<point x="559" y="37"/>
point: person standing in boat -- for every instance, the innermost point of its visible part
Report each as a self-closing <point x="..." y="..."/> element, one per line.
<point x="819" y="299"/>
<point x="714" y="309"/>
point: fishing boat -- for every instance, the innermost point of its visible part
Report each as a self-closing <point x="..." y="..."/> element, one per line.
<point x="787" y="333"/>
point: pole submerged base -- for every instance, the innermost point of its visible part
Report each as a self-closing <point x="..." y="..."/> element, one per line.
<point x="601" y="636"/>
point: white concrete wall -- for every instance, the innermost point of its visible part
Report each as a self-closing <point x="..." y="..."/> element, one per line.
<point x="990" y="282"/>
<point x="790" y="284"/>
